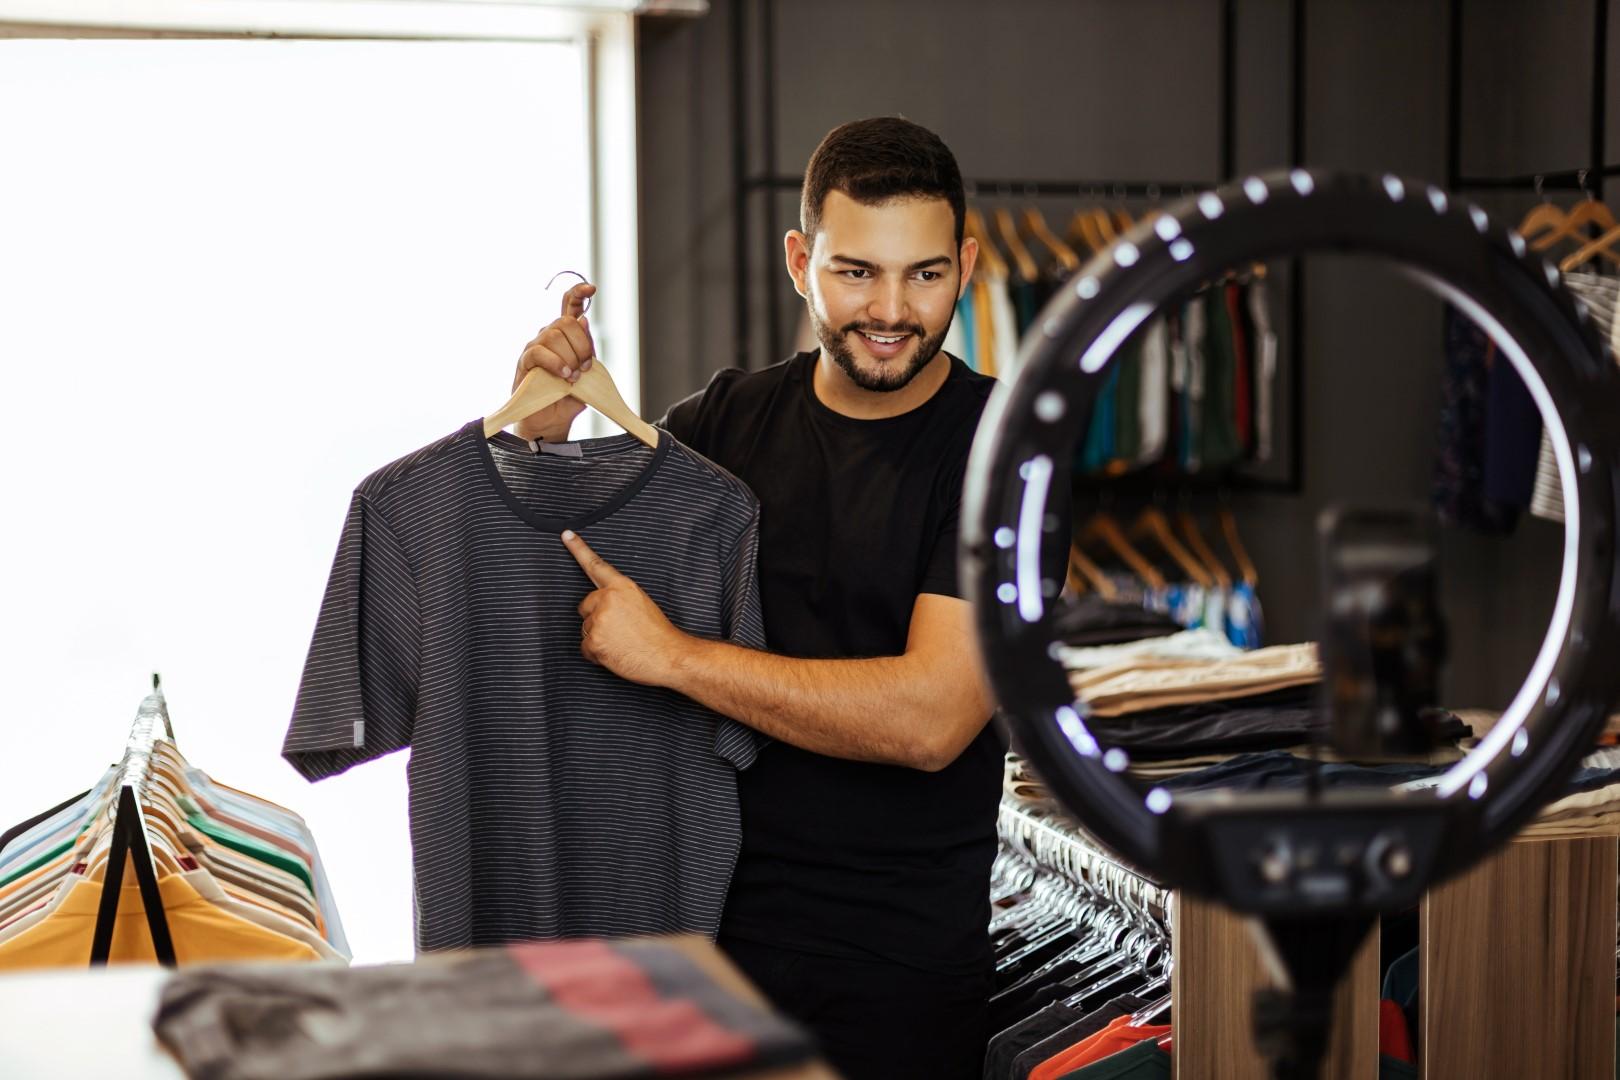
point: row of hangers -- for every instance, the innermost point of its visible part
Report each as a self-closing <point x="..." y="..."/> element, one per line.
<point x="1153" y="535"/>
<point x="1067" y="914"/>
<point x="1028" y="240"/>
<point x="1547" y="227"/>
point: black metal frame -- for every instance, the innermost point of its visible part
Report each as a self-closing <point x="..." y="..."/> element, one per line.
<point x="130" y="845"/>
<point x="1588" y="179"/>
<point x="770" y="181"/>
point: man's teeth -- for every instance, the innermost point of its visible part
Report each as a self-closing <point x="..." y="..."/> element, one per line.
<point x="884" y="340"/>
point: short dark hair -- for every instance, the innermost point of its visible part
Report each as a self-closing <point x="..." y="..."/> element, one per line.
<point x="873" y="161"/>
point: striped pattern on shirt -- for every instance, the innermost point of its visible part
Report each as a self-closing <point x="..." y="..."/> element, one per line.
<point x="548" y="797"/>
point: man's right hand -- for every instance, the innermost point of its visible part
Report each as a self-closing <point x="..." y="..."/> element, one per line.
<point x="565" y="349"/>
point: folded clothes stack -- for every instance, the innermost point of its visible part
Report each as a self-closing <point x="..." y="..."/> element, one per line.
<point x="566" y="1010"/>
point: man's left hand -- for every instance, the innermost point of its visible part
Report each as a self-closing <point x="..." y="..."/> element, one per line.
<point x="623" y="631"/>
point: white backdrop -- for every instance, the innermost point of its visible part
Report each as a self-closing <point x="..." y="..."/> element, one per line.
<point x="236" y="277"/>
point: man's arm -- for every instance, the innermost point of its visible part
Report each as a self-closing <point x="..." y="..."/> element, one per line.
<point x="920" y="709"/>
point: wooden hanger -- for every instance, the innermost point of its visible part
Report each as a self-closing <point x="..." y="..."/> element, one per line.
<point x="1083" y="573"/>
<point x="1602" y="247"/>
<point x="1541" y="217"/>
<point x="973" y="225"/>
<point x="595" y="387"/>
<point x="1590" y="212"/>
<point x="1200" y="547"/>
<point x="1152" y="524"/>
<point x="1102" y="527"/>
<point x="1035" y="225"/>
<point x="1093" y="228"/>
<point x="1122" y="221"/>
<point x="1022" y="259"/>
<point x="1234" y="544"/>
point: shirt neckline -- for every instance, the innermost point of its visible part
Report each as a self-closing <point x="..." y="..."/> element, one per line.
<point x="546" y="523"/>
<point x="807" y="377"/>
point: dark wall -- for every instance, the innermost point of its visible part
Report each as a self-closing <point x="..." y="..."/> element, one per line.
<point x="1068" y="89"/>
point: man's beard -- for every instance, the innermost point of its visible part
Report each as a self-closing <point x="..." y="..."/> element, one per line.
<point x="836" y="345"/>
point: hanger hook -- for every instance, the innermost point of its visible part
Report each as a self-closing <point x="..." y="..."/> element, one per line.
<point x="1580" y="178"/>
<point x="1542" y="195"/>
<point x="576" y="273"/>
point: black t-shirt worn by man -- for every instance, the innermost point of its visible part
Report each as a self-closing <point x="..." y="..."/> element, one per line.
<point x="857" y="518"/>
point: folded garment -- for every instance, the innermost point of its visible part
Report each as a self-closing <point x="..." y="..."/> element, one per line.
<point x="1091" y="620"/>
<point x="582" y="1010"/>
<point x="1276" y="721"/>
<point x="1145" y="683"/>
<point x="1278" y="770"/>
<point x="1200" y="644"/>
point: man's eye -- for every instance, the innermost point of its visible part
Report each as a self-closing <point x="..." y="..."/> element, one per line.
<point x="858" y="274"/>
<point x="930" y="275"/>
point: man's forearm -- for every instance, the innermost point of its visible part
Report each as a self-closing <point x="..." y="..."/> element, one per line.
<point x="865" y="710"/>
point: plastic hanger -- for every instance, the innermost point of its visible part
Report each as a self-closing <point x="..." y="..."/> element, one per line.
<point x="1021" y="258"/>
<point x="595" y="387"/>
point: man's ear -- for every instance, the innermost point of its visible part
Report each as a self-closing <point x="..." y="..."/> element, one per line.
<point x="969" y="258"/>
<point x="796" y="247"/>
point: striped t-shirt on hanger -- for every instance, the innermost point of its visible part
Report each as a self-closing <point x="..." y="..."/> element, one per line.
<point x="549" y="798"/>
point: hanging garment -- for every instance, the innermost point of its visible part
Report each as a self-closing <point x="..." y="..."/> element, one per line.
<point x="1245" y="622"/>
<point x="1127" y="446"/>
<point x="548" y="797"/>
<point x="1194" y="328"/>
<point x="965" y="332"/>
<point x="1004" y="326"/>
<point x="201" y="930"/>
<point x="1458" y="488"/>
<point x="1120" y="1034"/>
<point x="576" y="1010"/>
<point x="1264" y="344"/>
<point x="1153" y="400"/>
<point x="1601" y="295"/>
<point x="1071" y="1034"/>
<point x="984" y="331"/>
<point x="1243" y="369"/>
<point x="1143" y="1060"/>
<point x="1220" y="445"/>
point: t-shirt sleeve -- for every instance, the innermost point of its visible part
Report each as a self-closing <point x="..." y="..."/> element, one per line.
<point x="681" y="420"/>
<point x="357" y="698"/>
<point x="745" y="626"/>
<point x="692" y="419"/>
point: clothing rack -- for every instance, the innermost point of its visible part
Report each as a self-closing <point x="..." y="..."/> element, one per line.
<point x="770" y="181"/>
<point x="130" y="842"/>
<point x="1064" y="852"/>
<point x="1566" y="179"/>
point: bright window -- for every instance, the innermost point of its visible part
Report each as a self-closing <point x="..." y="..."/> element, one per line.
<point x="237" y="276"/>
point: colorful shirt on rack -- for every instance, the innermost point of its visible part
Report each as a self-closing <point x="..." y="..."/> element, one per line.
<point x="548" y="797"/>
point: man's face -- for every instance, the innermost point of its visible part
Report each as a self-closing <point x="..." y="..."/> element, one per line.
<point x="882" y="283"/>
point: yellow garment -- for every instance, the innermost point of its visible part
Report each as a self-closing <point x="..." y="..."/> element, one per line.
<point x="202" y="932"/>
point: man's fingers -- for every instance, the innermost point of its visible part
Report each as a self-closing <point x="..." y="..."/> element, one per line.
<point x="588" y="605"/>
<point x="578" y="337"/>
<point x="573" y="303"/>
<point x="598" y="569"/>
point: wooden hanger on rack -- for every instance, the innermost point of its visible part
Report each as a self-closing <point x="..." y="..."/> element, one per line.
<point x="595" y="387"/>
<point x="1589" y="212"/>
<point x="1092" y="228"/>
<point x="1103" y="528"/>
<point x="973" y="224"/>
<point x="1151" y="524"/>
<point x="1084" y="573"/>
<point x="1034" y="223"/>
<point x="1541" y="217"/>
<point x="1601" y="248"/>
<point x="1028" y="270"/>
<point x="1234" y="544"/>
<point x="1200" y="547"/>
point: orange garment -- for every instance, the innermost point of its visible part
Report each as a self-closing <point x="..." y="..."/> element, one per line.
<point x="201" y="931"/>
<point x="1118" y="1035"/>
<point x="984" y="337"/>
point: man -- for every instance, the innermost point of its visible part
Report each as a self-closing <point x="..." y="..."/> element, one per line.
<point x="860" y="900"/>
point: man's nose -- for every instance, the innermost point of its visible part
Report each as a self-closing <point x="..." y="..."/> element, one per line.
<point x="888" y="305"/>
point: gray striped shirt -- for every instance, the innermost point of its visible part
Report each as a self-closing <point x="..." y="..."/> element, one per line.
<point x="548" y="797"/>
